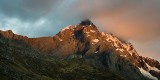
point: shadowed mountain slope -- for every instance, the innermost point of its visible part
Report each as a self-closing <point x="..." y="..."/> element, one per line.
<point x="99" y="49"/>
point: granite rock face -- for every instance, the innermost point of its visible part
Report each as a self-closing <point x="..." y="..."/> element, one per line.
<point x="99" y="48"/>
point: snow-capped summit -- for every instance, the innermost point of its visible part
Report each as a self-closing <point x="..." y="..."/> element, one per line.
<point x="98" y="48"/>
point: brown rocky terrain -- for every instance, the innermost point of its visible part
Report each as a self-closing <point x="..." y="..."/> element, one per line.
<point x="98" y="48"/>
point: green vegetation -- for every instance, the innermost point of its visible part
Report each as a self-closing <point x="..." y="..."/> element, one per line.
<point x="19" y="62"/>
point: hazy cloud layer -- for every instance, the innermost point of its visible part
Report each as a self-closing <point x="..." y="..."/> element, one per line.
<point x="35" y="18"/>
<point x="135" y="20"/>
<point x="27" y="9"/>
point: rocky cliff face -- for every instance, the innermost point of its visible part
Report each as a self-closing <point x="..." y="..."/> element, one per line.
<point x="98" y="48"/>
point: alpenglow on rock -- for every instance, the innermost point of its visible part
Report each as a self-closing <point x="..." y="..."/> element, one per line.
<point x="98" y="48"/>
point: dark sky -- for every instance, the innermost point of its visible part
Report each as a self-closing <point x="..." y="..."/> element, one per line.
<point x="137" y="21"/>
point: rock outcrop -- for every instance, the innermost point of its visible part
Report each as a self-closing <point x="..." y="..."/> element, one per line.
<point x="100" y="49"/>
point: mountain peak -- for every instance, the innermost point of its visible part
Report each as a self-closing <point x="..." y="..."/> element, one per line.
<point x="98" y="48"/>
<point x="86" y="22"/>
<point x="8" y="31"/>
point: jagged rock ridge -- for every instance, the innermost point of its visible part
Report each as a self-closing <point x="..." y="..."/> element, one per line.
<point x="98" y="48"/>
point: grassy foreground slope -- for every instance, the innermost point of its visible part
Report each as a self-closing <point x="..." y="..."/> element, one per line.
<point x="21" y="62"/>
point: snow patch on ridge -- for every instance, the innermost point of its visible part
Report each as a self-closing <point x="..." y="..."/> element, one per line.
<point x="95" y="40"/>
<point x="123" y="55"/>
<point x="92" y="31"/>
<point x="121" y="46"/>
<point x="152" y="68"/>
<point x="68" y="27"/>
<point x="88" y="35"/>
<point x="147" y="74"/>
<point x="103" y="34"/>
<point x="87" y="32"/>
<point x="118" y="49"/>
<point x="96" y="52"/>
<point x="111" y="38"/>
